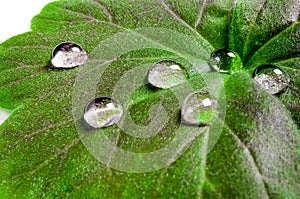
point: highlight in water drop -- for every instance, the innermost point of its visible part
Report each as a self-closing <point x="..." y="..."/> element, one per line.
<point x="272" y="78"/>
<point x="199" y="109"/>
<point x="103" y="112"/>
<point x="68" y="55"/>
<point x="166" y="74"/>
<point x="226" y="61"/>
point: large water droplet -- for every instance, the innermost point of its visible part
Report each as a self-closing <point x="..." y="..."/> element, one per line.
<point x="273" y="79"/>
<point x="226" y="61"/>
<point x="68" y="55"/>
<point x="199" y="109"/>
<point x="166" y="74"/>
<point x="103" y="112"/>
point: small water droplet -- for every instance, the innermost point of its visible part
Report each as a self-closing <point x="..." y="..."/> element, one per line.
<point x="103" y="112"/>
<point x="226" y="61"/>
<point x="166" y="74"/>
<point x="68" y="55"/>
<point x="199" y="109"/>
<point x="272" y="79"/>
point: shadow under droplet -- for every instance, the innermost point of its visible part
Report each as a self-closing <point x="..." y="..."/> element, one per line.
<point x="182" y="121"/>
<point x="83" y="126"/>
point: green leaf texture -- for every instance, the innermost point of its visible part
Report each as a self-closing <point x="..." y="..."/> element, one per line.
<point x="257" y="154"/>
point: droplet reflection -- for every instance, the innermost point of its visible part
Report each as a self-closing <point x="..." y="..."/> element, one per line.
<point x="273" y="79"/>
<point x="68" y="55"/>
<point x="166" y="74"/>
<point x="103" y="112"/>
<point x="199" y="109"/>
<point x="226" y="61"/>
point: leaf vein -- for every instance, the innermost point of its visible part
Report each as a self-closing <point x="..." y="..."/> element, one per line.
<point x="19" y="66"/>
<point x="252" y="27"/>
<point x="48" y="161"/>
<point x="29" y="47"/>
<point x="53" y="91"/>
<point x="31" y="76"/>
<point x="200" y="15"/>
<point x="31" y="135"/>
<point x="109" y="15"/>
<point x="178" y="18"/>
<point x="270" y="41"/>
<point x="248" y="154"/>
<point x="80" y="14"/>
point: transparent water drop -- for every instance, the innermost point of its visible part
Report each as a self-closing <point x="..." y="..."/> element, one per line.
<point x="199" y="109"/>
<point x="273" y="79"/>
<point x="226" y="61"/>
<point x="166" y="74"/>
<point x="68" y="55"/>
<point x="103" y="112"/>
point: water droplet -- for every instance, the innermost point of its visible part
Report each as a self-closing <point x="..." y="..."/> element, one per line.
<point x="166" y="74"/>
<point x="272" y="79"/>
<point x="226" y="61"/>
<point x="103" y="112"/>
<point x="68" y="55"/>
<point x="199" y="109"/>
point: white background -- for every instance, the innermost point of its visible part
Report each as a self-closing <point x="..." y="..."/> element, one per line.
<point x="15" y="18"/>
<point x="16" y="15"/>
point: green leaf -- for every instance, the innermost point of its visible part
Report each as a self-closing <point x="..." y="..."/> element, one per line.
<point x="254" y="154"/>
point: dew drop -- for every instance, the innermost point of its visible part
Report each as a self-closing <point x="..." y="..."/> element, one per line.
<point x="68" y="55"/>
<point x="272" y="79"/>
<point x="103" y="112"/>
<point x="226" y="61"/>
<point x="199" y="109"/>
<point x="166" y="74"/>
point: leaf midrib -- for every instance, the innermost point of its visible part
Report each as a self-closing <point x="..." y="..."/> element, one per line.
<point x="258" y="175"/>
